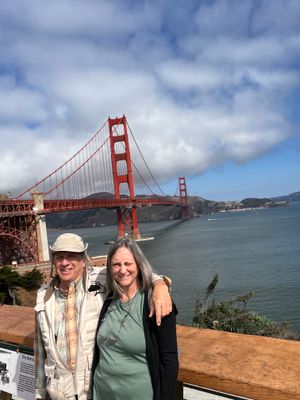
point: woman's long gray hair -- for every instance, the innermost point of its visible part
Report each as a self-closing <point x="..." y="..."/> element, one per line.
<point x="145" y="269"/>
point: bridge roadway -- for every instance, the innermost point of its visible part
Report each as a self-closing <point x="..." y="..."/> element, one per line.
<point x="12" y="207"/>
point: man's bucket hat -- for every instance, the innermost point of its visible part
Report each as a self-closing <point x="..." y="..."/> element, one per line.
<point x="69" y="242"/>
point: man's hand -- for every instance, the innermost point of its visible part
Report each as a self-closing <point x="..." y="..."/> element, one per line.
<point x="161" y="303"/>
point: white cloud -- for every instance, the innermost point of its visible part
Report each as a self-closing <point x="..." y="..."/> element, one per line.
<point x="199" y="87"/>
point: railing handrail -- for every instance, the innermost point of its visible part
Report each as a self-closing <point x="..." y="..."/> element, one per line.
<point x="250" y="366"/>
<point x="255" y="367"/>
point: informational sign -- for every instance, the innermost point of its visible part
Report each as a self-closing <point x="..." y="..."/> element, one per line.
<point x="17" y="373"/>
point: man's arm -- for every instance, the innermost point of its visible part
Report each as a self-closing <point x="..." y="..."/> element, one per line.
<point x="161" y="303"/>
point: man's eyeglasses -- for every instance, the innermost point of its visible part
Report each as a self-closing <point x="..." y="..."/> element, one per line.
<point x="59" y="257"/>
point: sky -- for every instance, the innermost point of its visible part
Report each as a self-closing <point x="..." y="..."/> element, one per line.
<point x="211" y="89"/>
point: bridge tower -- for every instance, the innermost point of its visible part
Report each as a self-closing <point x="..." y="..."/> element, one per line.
<point x="183" y="198"/>
<point x="121" y="160"/>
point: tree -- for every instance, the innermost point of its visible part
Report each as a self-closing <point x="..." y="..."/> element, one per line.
<point x="234" y="316"/>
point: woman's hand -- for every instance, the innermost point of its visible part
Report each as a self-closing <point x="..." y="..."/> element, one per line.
<point x="161" y="303"/>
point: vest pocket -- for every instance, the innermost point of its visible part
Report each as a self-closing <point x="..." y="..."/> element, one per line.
<point x="52" y="383"/>
<point x="52" y="389"/>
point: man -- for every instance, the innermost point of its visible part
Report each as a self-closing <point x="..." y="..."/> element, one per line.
<point x="67" y="311"/>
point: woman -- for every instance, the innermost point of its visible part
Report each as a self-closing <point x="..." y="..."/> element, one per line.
<point x="134" y="358"/>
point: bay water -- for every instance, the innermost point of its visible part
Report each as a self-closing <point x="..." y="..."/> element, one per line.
<point x="256" y="250"/>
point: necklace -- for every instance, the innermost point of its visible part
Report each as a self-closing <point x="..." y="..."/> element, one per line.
<point x="111" y="339"/>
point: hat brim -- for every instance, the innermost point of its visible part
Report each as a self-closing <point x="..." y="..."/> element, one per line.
<point x="68" y="248"/>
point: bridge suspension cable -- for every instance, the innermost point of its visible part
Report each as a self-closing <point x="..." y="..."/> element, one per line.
<point x="37" y="184"/>
<point x="89" y="171"/>
<point x="147" y="167"/>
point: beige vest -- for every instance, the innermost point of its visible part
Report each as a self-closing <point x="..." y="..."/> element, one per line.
<point x="61" y="382"/>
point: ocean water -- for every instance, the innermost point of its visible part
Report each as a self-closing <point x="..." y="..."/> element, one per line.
<point x="255" y="250"/>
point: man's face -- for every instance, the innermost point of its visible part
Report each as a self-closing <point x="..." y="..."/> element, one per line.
<point x="69" y="266"/>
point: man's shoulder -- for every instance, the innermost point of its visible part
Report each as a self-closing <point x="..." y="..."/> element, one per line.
<point x="97" y="274"/>
<point x="44" y="288"/>
<point x="96" y="279"/>
<point x="44" y="293"/>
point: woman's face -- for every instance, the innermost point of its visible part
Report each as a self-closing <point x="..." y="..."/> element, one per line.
<point x="124" y="269"/>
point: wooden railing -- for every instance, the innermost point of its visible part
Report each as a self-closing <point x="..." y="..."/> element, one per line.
<point x="250" y="366"/>
<point x="243" y="365"/>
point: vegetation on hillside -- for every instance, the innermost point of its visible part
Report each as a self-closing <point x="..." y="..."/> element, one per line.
<point x="197" y="206"/>
<point x="11" y="280"/>
<point x="234" y="316"/>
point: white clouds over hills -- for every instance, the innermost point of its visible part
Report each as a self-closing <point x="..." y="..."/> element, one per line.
<point x="201" y="82"/>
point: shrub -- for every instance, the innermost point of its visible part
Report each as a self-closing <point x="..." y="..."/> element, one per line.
<point x="10" y="280"/>
<point x="234" y="316"/>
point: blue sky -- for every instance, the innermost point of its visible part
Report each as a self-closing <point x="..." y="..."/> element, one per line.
<point x="211" y="89"/>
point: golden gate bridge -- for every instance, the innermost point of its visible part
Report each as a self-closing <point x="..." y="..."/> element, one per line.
<point x="105" y="173"/>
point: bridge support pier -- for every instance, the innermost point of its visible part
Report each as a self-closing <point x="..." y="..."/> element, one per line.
<point x="41" y="228"/>
<point x="127" y="222"/>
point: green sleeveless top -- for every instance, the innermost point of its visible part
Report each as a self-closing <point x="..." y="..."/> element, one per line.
<point x="122" y="372"/>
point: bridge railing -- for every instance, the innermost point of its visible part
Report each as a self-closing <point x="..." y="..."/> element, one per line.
<point x="248" y="366"/>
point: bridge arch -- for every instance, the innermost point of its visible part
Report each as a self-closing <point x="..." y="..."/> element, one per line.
<point x="18" y="244"/>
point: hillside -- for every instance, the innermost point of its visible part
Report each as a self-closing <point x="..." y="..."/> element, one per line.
<point x="289" y="197"/>
<point x="199" y="206"/>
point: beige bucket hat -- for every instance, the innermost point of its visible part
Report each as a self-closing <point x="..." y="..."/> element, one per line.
<point x="69" y="242"/>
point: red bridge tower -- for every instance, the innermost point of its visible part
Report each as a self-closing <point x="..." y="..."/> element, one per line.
<point x="120" y="155"/>
<point x="183" y="198"/>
